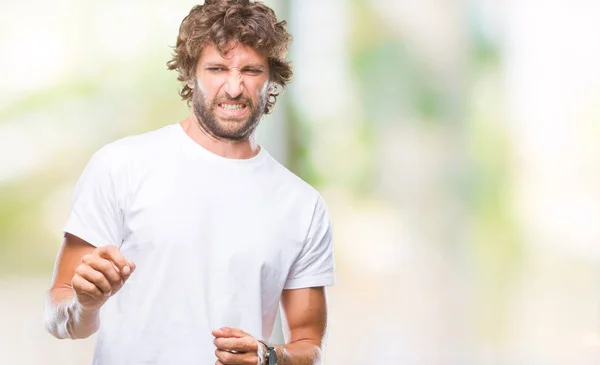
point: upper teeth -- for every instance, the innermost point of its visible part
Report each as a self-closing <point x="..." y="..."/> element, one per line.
<point x="232" y="106"/>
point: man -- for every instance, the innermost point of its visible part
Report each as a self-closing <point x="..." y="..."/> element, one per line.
<point x="182" y="242"/>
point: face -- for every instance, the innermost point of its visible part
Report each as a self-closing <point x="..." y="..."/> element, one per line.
<point x="230" y="93"/>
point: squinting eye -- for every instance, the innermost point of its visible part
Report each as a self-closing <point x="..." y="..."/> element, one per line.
<point x="253" y="72"/>
<point x="215" y="69"/>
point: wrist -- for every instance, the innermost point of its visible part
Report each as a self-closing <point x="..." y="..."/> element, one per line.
<point x="270" y="354"/>
<point x="261" y="353"/>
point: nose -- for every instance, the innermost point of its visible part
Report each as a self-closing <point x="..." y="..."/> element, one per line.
<point x="233" y="86"/>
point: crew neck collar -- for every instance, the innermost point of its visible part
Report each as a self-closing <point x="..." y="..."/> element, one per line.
<point x="203" y="152"/>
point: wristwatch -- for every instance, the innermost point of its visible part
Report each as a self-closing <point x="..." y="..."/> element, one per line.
<point x="271" y="354"/>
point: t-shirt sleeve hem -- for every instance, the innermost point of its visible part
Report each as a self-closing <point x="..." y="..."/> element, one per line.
<point x="85" y="234"/>
<point x="310" y="281"/>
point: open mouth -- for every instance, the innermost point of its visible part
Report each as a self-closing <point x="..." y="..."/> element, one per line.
<point x="234" y="110"/>
<point x="232" y="107"/>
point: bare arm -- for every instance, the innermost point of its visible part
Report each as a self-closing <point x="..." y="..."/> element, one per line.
<point x="304" y="318"/>
<point x="84" y="278"/>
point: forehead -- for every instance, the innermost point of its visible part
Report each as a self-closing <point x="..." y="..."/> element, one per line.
<point x="239" y="55"/>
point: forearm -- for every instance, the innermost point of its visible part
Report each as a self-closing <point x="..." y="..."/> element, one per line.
<point x="64" y="317"/>
<point x="302" y="352"/>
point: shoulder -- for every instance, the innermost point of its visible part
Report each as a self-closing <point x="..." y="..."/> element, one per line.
<point x="126" y="150"/>
<point x="291" y="184"/>
<point x="140" y="143"/>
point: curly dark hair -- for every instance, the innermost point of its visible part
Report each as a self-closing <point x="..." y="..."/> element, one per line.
<point x="223" y="23"/>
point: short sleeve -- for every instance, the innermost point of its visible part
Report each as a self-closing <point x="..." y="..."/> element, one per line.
<point x="315" y="265"/>
<point x="95" y="214"/>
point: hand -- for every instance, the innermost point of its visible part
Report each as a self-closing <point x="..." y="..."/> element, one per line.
<point x="100" y="275"/>
<point x="235" y="347"/>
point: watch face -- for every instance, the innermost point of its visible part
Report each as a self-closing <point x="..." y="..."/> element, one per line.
<point x="272" y="357"/>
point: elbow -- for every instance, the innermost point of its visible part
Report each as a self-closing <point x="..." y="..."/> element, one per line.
<point x="63" y="321"/>
<point x="62" y="330"/>
<point x="57" y="321"/>
<point x="52" y="322"/>
<point x="51" y="317"/>
<point x="52" y="328"/>
<point x="319" y="354"/>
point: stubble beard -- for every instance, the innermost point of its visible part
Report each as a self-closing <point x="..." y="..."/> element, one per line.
<point x="241" y="130"/>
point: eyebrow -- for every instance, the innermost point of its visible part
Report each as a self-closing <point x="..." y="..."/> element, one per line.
<point x="251" y="65"/>
<point x="210" y="64"/>
<point x="255" y="65"/>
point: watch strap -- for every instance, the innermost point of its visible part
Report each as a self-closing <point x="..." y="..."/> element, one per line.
<point x="271" y="353"/>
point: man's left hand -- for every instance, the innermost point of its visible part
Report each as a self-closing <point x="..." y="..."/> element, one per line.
<point x="235" y="347"/>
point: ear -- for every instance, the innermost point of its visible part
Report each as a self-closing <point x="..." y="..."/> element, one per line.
<point x="272" y="88"/>
<point x="191" y="83"/>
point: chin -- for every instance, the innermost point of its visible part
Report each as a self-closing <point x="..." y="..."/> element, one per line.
<point x="233" y="134"/>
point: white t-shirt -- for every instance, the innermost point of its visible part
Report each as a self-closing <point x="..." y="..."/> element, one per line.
<point x="215" y="241"/>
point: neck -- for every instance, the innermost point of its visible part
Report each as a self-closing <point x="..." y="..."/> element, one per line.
<point x="244" y="149"/>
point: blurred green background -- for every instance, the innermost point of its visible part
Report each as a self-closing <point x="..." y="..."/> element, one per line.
<point x="457" y="144"/>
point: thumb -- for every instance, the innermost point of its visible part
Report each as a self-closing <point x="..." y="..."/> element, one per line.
<point x="128" y="269"/>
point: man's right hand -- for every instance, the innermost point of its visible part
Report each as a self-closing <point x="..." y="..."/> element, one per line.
<point x="100" y="275"/>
